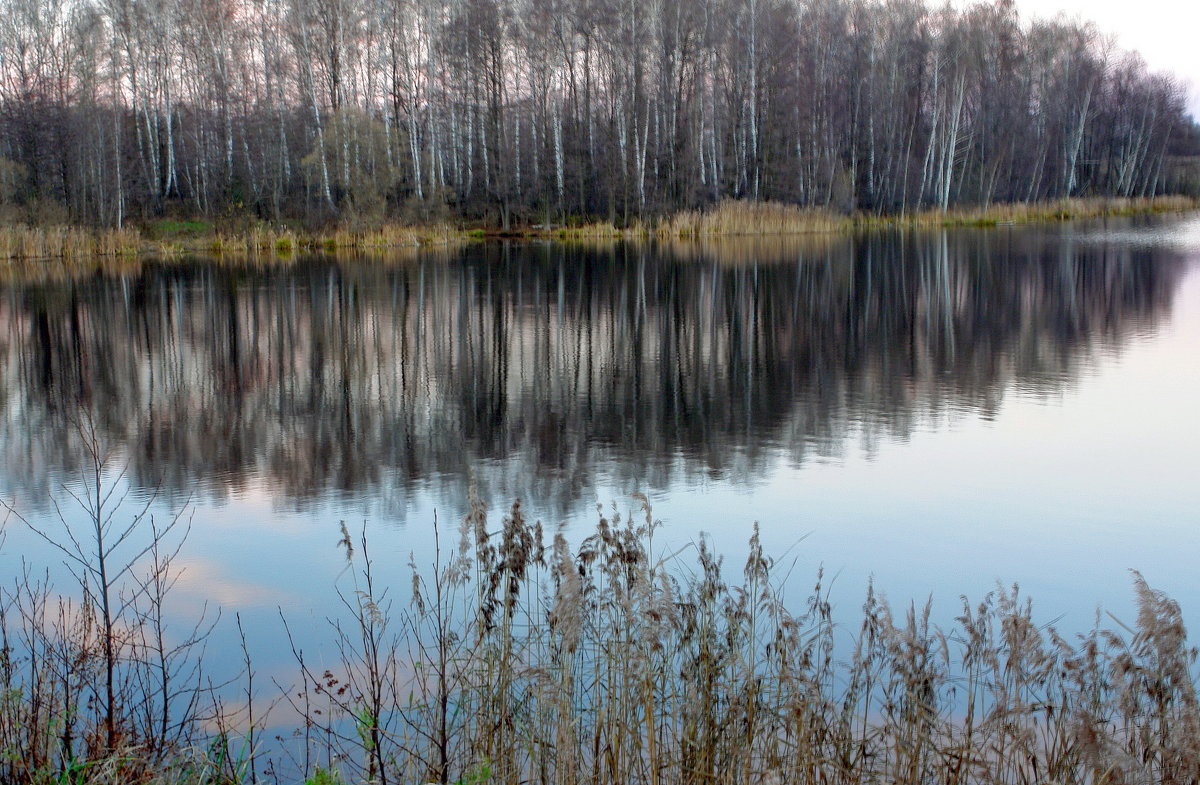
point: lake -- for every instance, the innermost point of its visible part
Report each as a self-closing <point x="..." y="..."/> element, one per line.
<point x="933" y="411"/>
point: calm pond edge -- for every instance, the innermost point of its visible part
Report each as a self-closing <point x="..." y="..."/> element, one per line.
<point x="173" y="238"/>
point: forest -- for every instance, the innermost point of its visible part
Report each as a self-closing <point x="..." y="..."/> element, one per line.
<point x="509" y="112"/>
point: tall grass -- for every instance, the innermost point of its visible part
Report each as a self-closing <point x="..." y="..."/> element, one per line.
<point x="76" y="245"/>
<point x="726" y="219"/>
<point x="263" y="240"/>
<point x="746" y="218"/>
<point x="19" y="243"/>
<point x="737" y="218"/>
<point x="1034" y="212"/>
<point x="517" y="658"/>
<point x="616" y="663"/>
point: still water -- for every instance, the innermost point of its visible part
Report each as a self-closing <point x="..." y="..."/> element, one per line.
<point x="934" y="411"/>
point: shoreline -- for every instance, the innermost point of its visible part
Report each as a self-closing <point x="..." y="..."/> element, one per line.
<point x="171" y="238"/>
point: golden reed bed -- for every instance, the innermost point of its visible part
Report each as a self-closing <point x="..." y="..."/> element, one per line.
<point x="728" y="219"/>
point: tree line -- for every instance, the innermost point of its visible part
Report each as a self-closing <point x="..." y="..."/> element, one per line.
<point x="550" y="110"/>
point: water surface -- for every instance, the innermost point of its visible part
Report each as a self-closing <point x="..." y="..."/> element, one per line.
<point x="936" y="411"/>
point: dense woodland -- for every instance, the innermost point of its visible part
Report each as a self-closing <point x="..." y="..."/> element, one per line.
<point x="547" y="110"/>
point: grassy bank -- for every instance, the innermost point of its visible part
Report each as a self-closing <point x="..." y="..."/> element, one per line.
<point x="521" y="660"/>
<point x="173" y="238"/>
<point x="1038" y="212"/>
<point x="729" y="219"/>
<point x="284" y="242"/>
<point x="763" y="219"/>
<point x="67" y="243"/>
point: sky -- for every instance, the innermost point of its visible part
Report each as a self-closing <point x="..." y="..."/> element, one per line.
<point x="1165" y="32"/>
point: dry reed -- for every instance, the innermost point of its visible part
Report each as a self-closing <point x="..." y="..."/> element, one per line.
<point x="518" y="660"/>
<point x="1000" y="214"/>
<point x="614" y="663"/>
<point x="77" y="245"/>
<point x="601" y="230"/>
<point x="23" y="243"/>
<point x="730" y="218"/>
<point x="746" y="218"/>
<point x="283" y="243"/>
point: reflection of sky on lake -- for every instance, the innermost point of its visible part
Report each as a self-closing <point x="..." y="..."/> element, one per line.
<point x="1062" y="495"/>
<point x="1026" y="413"/>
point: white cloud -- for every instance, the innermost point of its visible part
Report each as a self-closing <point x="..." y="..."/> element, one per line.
<point x="205" y="580"/>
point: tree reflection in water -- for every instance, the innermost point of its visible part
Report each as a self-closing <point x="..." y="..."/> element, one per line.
<point x="539" y="366"/>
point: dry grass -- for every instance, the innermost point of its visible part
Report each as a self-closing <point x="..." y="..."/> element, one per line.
<point x="284" y="242"/>
<point x="719" y="228"/>
<point x="613" y="663"/>
<point x="726" y="219"/>
<point x="601" y="230"/>
<point x="388" y="236"/>
<point x="24" y="243"/>
<point x="76" y="245"/>
<point x="1035" y="212"/>
<point x="745" y="218"/>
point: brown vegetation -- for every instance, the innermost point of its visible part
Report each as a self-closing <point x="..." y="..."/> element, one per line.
<point x="1038" y="212"/>
<point x="521" y="660"/>
<point x="70" y="243"/>
<point x="73" y="244"/>
<point x="728" y="219"/>
<point x="742" y="218"/>
<point x="735" y="218"/>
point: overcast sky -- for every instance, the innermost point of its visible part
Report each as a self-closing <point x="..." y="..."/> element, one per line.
<point x="1165" y="32"/>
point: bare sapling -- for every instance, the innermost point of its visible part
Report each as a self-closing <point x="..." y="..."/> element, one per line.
<point x="141" y="701"/>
